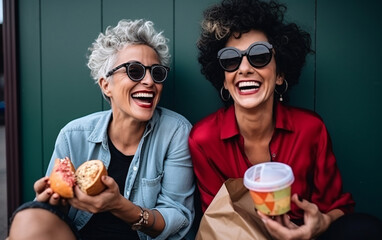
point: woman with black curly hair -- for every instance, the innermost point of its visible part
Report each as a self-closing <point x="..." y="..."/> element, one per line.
<point x="252" y="57"/>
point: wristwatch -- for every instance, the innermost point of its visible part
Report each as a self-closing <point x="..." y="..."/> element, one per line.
<point x="144" y="219"/>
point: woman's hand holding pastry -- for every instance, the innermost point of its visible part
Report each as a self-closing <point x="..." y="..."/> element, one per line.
<point x="104" y="201"/>
<point x="45" y="194"/>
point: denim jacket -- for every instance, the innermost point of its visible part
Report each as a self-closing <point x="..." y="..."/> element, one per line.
<point x="160" y="175"/>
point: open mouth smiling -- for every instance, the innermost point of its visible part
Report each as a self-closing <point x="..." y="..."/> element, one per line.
<point x="144" y="99"/>
<point x="248" y="86"/>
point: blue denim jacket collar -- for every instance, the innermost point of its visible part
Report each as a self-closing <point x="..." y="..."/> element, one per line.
<point x="99" y="134"/>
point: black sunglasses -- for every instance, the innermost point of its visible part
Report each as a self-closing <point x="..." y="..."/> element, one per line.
<point x="259" y="54"/>
<point x="137" y="71"/>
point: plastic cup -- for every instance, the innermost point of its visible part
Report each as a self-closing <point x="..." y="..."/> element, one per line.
<point x="269" y="185"/>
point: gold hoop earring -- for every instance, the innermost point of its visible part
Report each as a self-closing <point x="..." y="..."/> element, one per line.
<point x="225" y="99"/>
<point x="285" y="89"/>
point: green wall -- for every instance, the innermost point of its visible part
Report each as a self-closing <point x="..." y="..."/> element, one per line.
<point x="341" y="81"/>
<point x="348" y="96"/>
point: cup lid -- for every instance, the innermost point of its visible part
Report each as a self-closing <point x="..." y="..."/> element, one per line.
<point x="268" y="177"/>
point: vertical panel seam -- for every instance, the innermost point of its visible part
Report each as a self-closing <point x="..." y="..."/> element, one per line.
<point x="173" y="58"/>
<point x="103" y="107"/>
<point x="41" y="87"/>
<point x="315" y="59"/>
<point x="101" y="14"/>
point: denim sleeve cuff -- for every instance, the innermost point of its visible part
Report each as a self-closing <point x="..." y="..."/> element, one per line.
<point x="177" y="224"/>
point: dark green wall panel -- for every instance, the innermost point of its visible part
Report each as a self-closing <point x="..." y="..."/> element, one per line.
<point x="195" y="96"/>
<point x="303" y="13"/>
<point x="30" y="95"/>
<point x="348" y="93"/>
<point x="68" y="92"/>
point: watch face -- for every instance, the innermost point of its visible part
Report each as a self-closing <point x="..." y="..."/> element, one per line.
<point x="145" y="215"/>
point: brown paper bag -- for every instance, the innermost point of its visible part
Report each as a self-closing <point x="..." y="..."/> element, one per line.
<point x="231" y="215"/>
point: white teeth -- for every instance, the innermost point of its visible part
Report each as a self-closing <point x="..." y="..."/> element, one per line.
<point x="143" y="95"/>
<point x="249" y="84"/>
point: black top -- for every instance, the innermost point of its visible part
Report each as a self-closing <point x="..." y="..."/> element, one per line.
<point x="105" y="225"/>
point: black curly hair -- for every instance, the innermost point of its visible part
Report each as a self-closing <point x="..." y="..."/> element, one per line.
<point x="290" y="43"/>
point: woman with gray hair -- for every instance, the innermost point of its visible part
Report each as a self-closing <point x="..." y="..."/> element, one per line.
<point x="150" y="186"/>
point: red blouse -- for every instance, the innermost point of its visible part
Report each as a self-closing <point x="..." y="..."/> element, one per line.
<point x="300" y="140"/>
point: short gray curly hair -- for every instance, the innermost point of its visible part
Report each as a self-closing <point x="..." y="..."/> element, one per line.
<point x="104" y="50"/>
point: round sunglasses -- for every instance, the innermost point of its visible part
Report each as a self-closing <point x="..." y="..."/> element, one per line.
<point x="137" y="71"/>
<point x="259" y="54"/>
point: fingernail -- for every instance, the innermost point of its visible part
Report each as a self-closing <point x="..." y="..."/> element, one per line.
<point x="300" y="198"/>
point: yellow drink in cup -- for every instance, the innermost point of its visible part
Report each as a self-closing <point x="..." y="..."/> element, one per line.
<point x="269" y="185"/>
